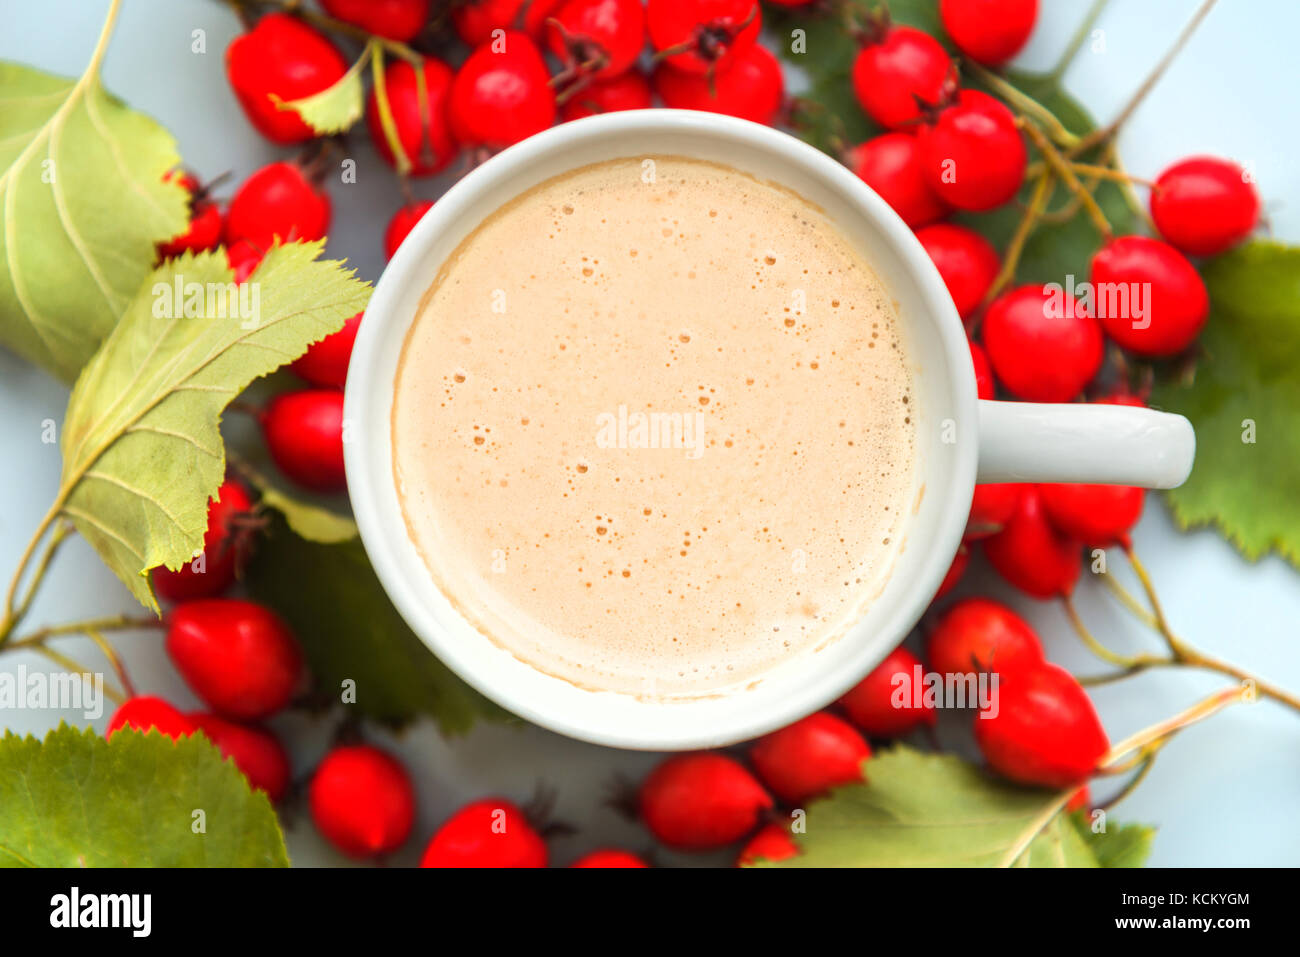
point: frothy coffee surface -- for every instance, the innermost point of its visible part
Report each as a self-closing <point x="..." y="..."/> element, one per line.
<point x="656" y="437"/>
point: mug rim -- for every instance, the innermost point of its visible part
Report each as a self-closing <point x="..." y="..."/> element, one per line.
<point x="382" y="319"/>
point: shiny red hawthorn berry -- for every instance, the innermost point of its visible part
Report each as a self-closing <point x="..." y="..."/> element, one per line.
<point x="1098" y="515"/>
<point x="279" y="60"/>
<point x="425" y="135"/>
<point x="991" y="507"/>
<point x="1204" y="205"/>
<point x="1045" y="731"/>
<point x="882" y="704"/>
<point x="394" y="19"/>
<point x="256" y="752"/>
<point x="488" y="833"/>
<point x="144" y="712"/>
<point x="985" y="386"/>
<point x="600" y="39"/>
<point x="966" y="260"/>
<point x="475" y="20"/>
<point x="702" y="36"/>
<point x="222" y="550"/>
<point x="501" y="94"/>
<point x="204" y="229"/>
<point x="362" y="801"/>
<point x="304" y="434"/>
<point x="239" y="657"/>
<point x="894" y="71"/>
<point x="809" y="757"/>
<point x="325" y="363"/>
<point x="989" y="31"/>
<point x="1044" y="347"/>
<point x="1032" y="554"/>
<point x="890" y="164"/>
<point x="631" y="91"/>
<point x="403" y="221"/>
<point x="971" y="153"/>
<point x="701" y="801"/>
<point x="609" y="857"/>
<point x="772" y="843"/>
<point x="1175" y="309"/>
<point x="955" y="571"/>
<point x="979" y="635"/>
<point x="278" y="202"/>
<point x="244" y="257"/>
<point x="752" y="88"/>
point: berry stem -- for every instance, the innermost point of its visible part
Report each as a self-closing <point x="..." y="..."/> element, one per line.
<point x="1130" y="663"/>
<point x="386" y="121"/>
<point x="1030" y="217"/>
<point x="1144" y="768"/>
<point x="1161" y="731"/>
<point x="1076" y="42"/>
<point x="1063" y="169"/>
<point x="1110" y="173"/>
<point x="12" y="613"/>
<point x="1025" y="104"/>
<point x="113" y="623"/>
<point x="114" y="659"/>
<point x="75" y="667"/>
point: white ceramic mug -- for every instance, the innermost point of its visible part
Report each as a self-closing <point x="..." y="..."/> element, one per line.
<point x="960" y="440"/>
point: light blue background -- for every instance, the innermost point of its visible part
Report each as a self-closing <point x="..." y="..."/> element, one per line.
<point x="1222" y="793"/>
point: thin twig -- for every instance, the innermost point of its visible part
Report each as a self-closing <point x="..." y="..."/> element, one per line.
<point x="1076" y="41"/>
<point x="1165" y="729"/>
<point x="1037" y="200"/>
<point x="1062" y="169"/>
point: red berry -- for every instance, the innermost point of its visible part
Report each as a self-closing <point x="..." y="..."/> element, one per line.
<point x="772" y="843"/>
<point x="977" y="635"/>
<point x="394" y="19"/>
<point x="991" y="507"/>
<point x="1098" y="515"/>
<point x="424" y="134"/>
<point x="278" y="202"/>
<point x="703" y="35"/>
<point x="597" y="38"/>
<point x="204" y="229"/>
<point x="810" y="756"/>
<point x="304" y="433"/>
<point x="891" y="74"/>
<point x="362" y="800"/>
<point x="281" y="59"/>
<point x="1136" y="268"/>
<point x="1031" y="554"/>
<point x="488" y="833"/>
<point x="966" y="260"/>
<point x="255" y="751"/>
<point x="985" y="388"/>
<point x="971" y="154"/>
<point x="239" y="657"/>
<point x="882" y="703"/>
<point x="1204" y="205"/>
<point x="630" y="91"/>
<point x="701" y="801"/>
<point x="752" y="88"/>
<point x="501" y="94"/>
<point x="325" y="363"/>
<point x="403" y="221"/>
<point x="989" y="31"/>
<point x="221" y="550"/>
<point x="1045" y="731"/>
<point x="1044" y="346"/>
<point x="609" y="858"/>
<point x="475" y="20"/>
<point x="955" y="571"/>
<point x="144" y="712"/>
<point x="890" y="164"/>
<point x="244" y="258"/>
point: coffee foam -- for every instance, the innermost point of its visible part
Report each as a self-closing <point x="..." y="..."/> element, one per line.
<point x="754" y="512"/>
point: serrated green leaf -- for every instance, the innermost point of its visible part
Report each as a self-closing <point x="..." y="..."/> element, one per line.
<point x="936" y="810"/>
<point x="1244" y="401"/>
<point x="142" y="449"/>
<point x="82" y="206"/>
<point x="1120" y="845"/>
<point x="337" y="107"/>
<point x="306" y="519"/>
<point x="350" y="631"/>
<point x="76" y="800"/>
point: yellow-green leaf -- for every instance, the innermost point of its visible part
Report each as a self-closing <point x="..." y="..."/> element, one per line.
<point x="82" y="205"/>
<point x="335" y="108"/>
<point x="140" y="800"/>
<point x="307" y="519"/>
<point x="142" y="449"/>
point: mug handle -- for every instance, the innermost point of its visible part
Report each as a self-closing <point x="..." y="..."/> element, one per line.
<point x="1074" y="442"/>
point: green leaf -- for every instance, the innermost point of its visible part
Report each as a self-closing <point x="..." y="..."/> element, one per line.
<point x="349" y="630"/>
<point x="306" y="519"/>
<point x="936" y="810"/>
<point x="76" y="800"/>
<point x="1123" y="845"/>
<point x="82" y="206"/>
<point x="142" y="449"/>
<point x="1244" y="401"/>
<point x="337" y="107"/>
